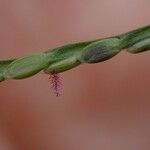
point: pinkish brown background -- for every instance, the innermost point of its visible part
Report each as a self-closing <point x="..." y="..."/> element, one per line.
<point x="105" y="106"/>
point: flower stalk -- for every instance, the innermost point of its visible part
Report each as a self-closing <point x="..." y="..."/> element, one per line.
<point x="67" y="57"/>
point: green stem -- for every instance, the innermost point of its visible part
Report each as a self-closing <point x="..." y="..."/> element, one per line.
<point x="135" y="36"/>
<point x="69" y="56"/>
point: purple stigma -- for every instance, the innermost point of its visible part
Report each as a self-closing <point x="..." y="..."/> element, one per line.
<point x="55" y="83"/>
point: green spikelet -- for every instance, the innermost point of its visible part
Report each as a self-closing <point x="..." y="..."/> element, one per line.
<point x="69" y="56"/>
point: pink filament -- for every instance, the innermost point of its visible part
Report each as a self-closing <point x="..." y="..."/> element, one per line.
<point x="55" y="83"/>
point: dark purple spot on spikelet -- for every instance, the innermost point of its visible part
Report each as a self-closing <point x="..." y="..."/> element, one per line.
<point x="55" y="83"/>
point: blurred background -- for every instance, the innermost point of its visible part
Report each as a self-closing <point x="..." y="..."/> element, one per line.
<point x="102" y="106"/>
